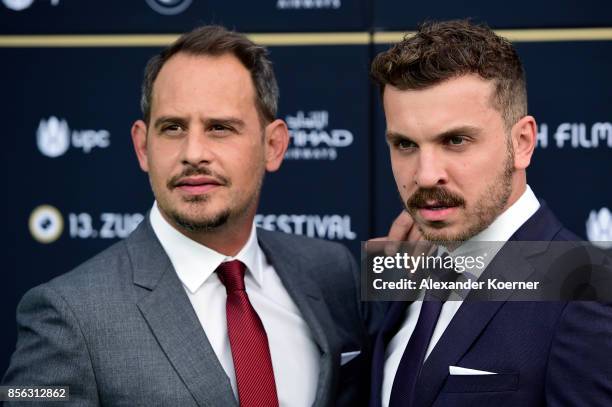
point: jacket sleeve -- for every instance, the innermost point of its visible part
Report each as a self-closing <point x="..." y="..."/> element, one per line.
<point x="579" y="369"/>
<point x="51" y="349"/>
<point x="372" y="312"/>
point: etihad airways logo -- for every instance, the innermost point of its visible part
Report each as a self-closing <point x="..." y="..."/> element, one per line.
<point x="310" y="138"/>
<point x="599" y="228"/>
<point x="54" y="137"/>
<point x="576" y="135"/>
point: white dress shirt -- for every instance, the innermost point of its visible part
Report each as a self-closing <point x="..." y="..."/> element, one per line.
<point x="500" y="230"/>
<point x="295" y="355"/>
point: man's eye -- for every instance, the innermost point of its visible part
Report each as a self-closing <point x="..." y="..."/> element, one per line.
<point x="218" y="127"/>
<point x="405" y="144"/>
<point x="456" y="140"/>
<point x="173" y="129"/>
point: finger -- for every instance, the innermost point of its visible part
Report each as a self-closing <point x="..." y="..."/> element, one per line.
<point x="401" y="227"/>
<point x="376" y="244"/>
<point x="399" y="232"/>
<point x="415" y="234"/>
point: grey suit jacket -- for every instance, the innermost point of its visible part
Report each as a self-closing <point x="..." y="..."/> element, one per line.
<point x="121" y="331"/>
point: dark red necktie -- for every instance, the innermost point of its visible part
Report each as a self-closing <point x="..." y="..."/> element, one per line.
<point x="248" y="340"/>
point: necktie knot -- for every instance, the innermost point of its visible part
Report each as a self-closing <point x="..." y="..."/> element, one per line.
<point x="231" y="274"/>
<point x="443" y="272"/>
<point x="447" y="270"/>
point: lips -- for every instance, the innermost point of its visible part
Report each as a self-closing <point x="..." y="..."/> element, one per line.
<point x="197" y="185"/>
<point x="436" y="211"/>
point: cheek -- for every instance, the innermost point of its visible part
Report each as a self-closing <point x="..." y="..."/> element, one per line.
<point x="469" y="169"/>
<point x="403" y="174"/>
<point x="248" y="162"/>
<point x="156" y="163"/>
<point x="162" y="165"/>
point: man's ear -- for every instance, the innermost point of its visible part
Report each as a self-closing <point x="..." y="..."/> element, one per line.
<point x="276" y="139"/>
<point x="139" y="138"/>
<point x="523" y="134"/>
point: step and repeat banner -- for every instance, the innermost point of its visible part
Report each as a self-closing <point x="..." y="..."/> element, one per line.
<point x="71" y="74"/>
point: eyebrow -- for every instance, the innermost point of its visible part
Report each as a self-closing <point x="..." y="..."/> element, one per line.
<point x="228" y="121"/>
<point x="394" y="136"/>
<point x="466" y="130"/>
<point x="169" y="119"/>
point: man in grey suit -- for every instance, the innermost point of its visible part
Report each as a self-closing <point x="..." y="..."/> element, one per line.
<point x="197" y="307"/>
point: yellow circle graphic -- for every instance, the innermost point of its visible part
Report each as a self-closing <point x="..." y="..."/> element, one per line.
<point x="46" y="224"/>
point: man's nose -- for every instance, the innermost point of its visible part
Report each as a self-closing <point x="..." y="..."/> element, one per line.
<point x="197" y="148"/>
<point x="431" y="171"/>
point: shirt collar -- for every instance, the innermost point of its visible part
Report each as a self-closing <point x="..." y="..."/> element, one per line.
<point x="195" y="263"/>
<point x="490" y="241"/>
<point x="506" y="224"/>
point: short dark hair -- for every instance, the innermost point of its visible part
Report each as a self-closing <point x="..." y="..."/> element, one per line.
<point x="215" y="40"/>
<point x="444" y="50"/>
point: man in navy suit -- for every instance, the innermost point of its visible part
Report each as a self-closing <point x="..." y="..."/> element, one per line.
<point x="460" y="141"/>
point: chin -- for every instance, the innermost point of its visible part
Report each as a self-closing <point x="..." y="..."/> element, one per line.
<point x="201" y="223"/>
<point x="440" y="235"/>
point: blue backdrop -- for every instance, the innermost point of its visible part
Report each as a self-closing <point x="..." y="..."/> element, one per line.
<point x="73" y="183"/>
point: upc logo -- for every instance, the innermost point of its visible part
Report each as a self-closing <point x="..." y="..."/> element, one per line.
<point x="169" y="7"/>
<point x="54" y="137"/>
<point x="599" y="228"/>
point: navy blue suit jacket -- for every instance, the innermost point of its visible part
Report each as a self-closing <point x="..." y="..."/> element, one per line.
<point x="546" y="353"/>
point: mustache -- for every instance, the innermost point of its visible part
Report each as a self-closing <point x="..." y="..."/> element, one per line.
<point x="191" y="171"/>
<point x="442" y="197"/>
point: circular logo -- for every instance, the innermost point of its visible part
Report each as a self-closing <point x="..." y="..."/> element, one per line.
<point x="53" y="137"/>
<point x="599" y="228"/>
<point x="17" y="5"/>
<point x="169" y="7"/>
<point x="46" y="224"/>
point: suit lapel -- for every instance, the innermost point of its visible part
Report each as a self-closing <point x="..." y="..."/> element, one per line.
<point x="297" y="279"/>
<point x="473" y="316"/>
<point x="172" y="320"/>
<point x="470" y="320"/>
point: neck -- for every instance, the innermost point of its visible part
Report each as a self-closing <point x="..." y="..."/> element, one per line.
<point x="519" y="185"/>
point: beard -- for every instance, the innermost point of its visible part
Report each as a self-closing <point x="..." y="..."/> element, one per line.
<point x="192" y="219"/>
<point x="199" y="224"/>
<point x="487" y="208"/>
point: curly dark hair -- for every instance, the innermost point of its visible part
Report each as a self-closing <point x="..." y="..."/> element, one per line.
<point x="448" y="49"/>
